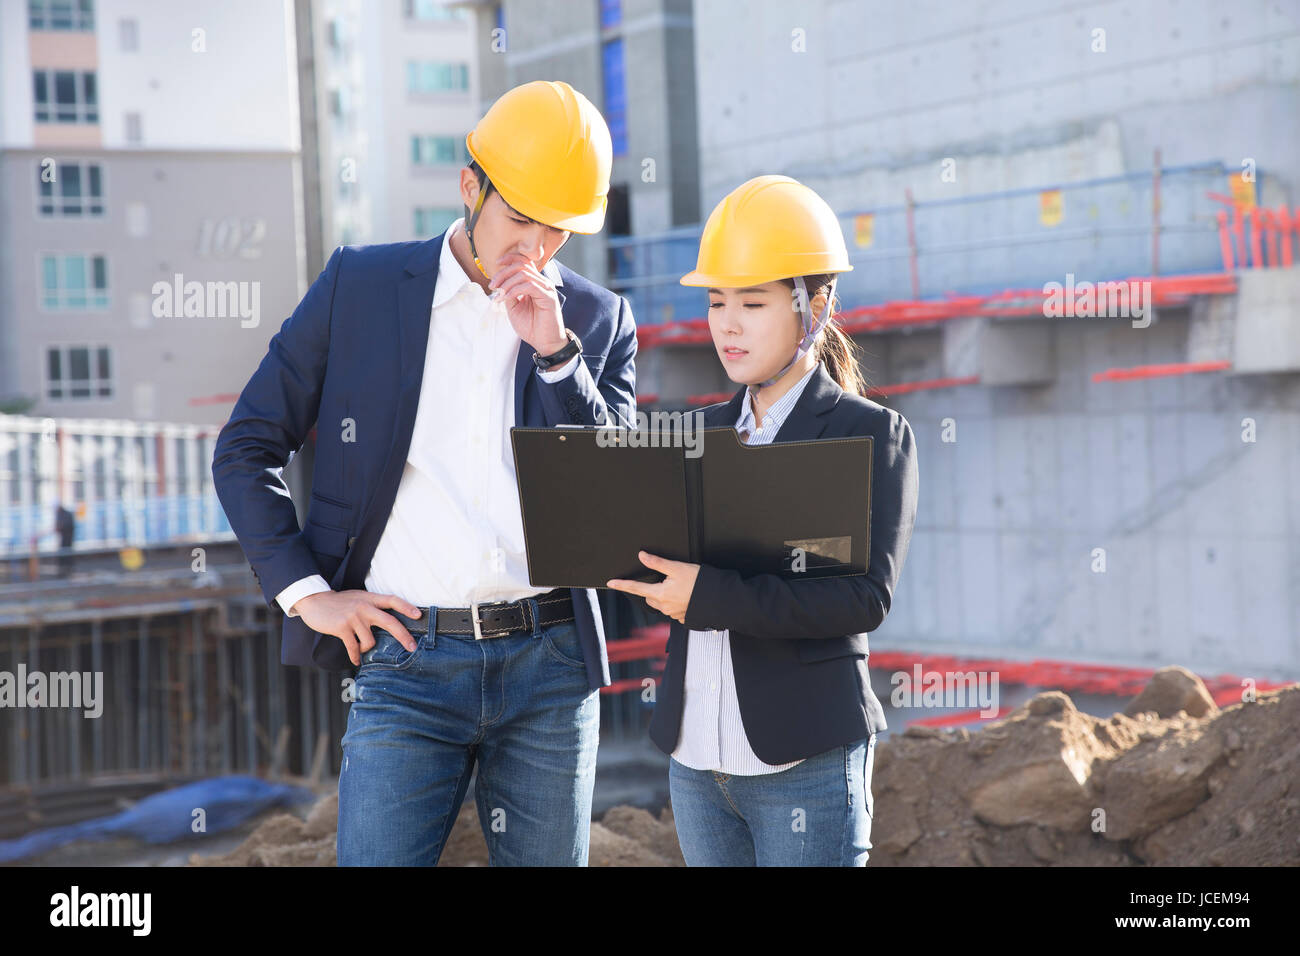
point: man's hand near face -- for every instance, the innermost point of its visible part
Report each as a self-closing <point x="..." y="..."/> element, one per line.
<point x="531" y="303"/>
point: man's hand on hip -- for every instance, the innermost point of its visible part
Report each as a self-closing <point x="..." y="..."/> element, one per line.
<point x="349" y="615"/>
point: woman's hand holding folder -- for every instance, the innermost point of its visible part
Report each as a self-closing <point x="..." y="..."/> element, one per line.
<point x="672" y="595"/>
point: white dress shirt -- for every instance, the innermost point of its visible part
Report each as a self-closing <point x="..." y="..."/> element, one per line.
<point x="713" y="734"/>
<point x="455" y="535"/>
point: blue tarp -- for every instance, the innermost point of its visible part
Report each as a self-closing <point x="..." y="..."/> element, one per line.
<point x="168" y="816"/>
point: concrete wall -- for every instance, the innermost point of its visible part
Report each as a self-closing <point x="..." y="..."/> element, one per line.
<point x="1013" y="92"/>
<point x="1201" y="530"/>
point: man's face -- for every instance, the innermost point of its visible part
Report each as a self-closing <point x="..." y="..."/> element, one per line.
<point x="501" y="230"/>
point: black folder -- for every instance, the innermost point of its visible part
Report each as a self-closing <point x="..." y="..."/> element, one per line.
<point x="798" y="509"/>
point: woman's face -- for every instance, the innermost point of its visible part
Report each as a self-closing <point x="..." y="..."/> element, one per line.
<point x="756" y="329"/>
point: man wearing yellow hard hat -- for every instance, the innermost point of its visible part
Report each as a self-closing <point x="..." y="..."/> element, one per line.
<point x="413" y="360"/>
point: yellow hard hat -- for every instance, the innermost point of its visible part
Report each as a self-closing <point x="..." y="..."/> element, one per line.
<point x="772" y="227"/>
<point x="547" y="150"/>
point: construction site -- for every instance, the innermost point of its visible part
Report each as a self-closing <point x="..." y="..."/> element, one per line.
<point x="1081" y="290"/>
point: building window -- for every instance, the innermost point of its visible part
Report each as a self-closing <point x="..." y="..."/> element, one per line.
<point x="431" y="10"/>
<point x="428" y="77"/>
<point x="78" y="371"/>
<point x="128" y="34"/>
<point x="74" y="282"/>
<point x="63" y="96"/>
<point x="431" y="221"/>
<point x="77" y="189"/>
<point x="615" y="95"/>
<point x="438" y="151"/>
<point x="611" y="13"/>
<point x="61" y="15"/>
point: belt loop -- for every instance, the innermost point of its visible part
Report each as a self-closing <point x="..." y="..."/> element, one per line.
<point x="532" y="609"/>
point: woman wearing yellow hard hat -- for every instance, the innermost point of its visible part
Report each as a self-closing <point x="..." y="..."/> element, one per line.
<point x="771" y="722"/>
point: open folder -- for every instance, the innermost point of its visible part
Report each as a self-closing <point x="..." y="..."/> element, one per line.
<point x="797" y="509"/>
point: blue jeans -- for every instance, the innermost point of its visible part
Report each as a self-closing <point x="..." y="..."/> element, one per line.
<point x="517" y="705"/>
<point x="817" y="813"/>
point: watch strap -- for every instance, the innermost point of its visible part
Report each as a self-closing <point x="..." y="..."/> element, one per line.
<point x="547" y="362"/>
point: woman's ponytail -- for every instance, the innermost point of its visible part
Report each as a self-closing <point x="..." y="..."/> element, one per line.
<point x="834" y="349"/>
<point x="840" y="355"/>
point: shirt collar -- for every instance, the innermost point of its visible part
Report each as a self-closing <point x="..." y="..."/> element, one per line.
<point x="452" y="278"/>
<point x="780" y="411"/>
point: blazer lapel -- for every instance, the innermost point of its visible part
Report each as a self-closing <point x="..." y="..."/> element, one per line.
<point x="725" y="414"/>
<point x="524" y="366"/>
<point x="414" y="312"/>
<point x="807" y="420"/>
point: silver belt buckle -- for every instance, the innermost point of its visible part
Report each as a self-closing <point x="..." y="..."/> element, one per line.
<point x="478" y="625"/>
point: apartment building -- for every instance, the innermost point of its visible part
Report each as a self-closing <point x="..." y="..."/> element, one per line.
<point x="390" y="90"/>
<point x="151" y="234"/>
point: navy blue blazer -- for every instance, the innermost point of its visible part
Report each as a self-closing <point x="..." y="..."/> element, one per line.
<point x="799" y="648"/>
<point x="354" y="348"/>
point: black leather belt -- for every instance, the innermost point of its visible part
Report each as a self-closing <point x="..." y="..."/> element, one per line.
<point x="498" y="618"/>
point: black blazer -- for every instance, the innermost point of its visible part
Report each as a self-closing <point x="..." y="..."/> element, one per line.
<point x="799" y="648"/>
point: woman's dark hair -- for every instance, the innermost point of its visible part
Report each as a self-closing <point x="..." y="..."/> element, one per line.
<point x="833" y="347"/>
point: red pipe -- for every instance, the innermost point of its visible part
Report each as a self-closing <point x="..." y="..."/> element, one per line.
<point x="1157" y="371"/>
<point x="1237" y="232"/>
<point x="1257" y="258"/>
<point x="1165" y="291"/>
<point x="902" y="388"/>
<point x="1225" y="241"/>
<point x="1285" y="224"/>
<point x="1089" y="678"/>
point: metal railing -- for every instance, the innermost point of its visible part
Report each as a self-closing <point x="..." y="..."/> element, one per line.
<point x="1157" y="222"/>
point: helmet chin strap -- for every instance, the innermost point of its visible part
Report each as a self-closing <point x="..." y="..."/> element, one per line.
<point x="810" y="325"/>
<point x="472" y="221"/>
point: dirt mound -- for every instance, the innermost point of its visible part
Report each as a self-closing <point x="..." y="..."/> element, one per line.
<point x="1172" y="781"/>
<point x="1048" y="784"/>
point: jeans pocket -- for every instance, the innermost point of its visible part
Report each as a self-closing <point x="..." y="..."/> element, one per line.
<point x="562" y="643"/>
<point x="388" y="652"/>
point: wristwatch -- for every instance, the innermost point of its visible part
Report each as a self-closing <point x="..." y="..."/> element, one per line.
<point x="556" y="359"/>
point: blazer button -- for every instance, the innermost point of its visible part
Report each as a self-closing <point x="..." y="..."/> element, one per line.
<point x="352" y="540"/>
